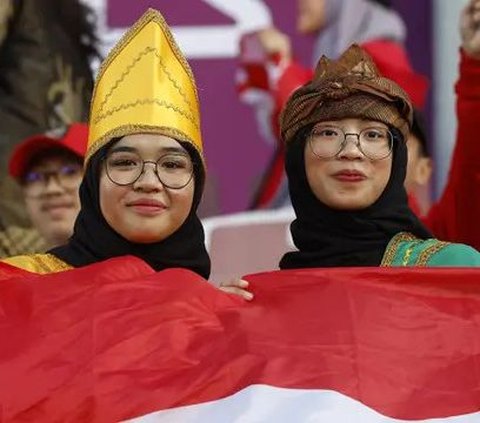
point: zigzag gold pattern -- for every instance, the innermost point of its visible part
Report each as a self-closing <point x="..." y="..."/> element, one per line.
<point x="149" y="15"/>
<point x="147" y="101"/>
<point x="160" y="102"/>
<point x="124" y="75"/>
<point x="144" y="71"/>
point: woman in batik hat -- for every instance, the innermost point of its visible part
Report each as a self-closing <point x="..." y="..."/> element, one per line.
<point x="346" y="161"/>
<point x="144" y="169"/>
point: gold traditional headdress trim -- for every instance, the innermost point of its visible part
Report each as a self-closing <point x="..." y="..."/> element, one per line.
<point x="190" y="112"/>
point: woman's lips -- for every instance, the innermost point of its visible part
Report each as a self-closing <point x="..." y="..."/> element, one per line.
<point x="147" y="207"/>
<point x="349" y="176"/>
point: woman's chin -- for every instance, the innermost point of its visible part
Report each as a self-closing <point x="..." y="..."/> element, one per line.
<point x="349" y="203"/>
<point x="144" y="237"/>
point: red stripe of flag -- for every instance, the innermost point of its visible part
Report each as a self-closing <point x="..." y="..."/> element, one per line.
<point x="115" y="340"/>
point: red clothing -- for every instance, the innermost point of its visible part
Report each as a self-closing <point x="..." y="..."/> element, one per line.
<point x="454" y="217"/>
<point x="115" y="340"/>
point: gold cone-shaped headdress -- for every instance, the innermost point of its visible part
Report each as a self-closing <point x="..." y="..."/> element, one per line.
<point x="145" y="85"/>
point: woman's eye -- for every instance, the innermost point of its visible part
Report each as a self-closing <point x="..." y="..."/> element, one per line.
<point x="375" y="135"/>
<point x="174" y="163"/>
<point x="123" y="162"/>
<point x="327" y="133"/>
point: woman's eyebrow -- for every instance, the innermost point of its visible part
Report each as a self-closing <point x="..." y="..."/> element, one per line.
<point x="121" y="148"/>
<point x="125" y="148"/>
<point x="173" y="149"/>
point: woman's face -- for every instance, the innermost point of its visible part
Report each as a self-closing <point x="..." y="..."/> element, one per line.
<point x="348" y="181"/>
<point x="310" y="16"/>
<point x="145" y="211"/>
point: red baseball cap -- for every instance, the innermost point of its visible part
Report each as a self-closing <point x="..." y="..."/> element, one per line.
<point x="73" y="138"/>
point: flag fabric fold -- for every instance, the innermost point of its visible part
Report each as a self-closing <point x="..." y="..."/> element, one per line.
<point x="117" y="341"/>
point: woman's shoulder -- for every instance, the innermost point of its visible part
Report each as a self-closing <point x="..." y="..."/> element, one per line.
<point x="38" y="263"/>
<point x="406" y="250"/>
<point x="456" y="255"/>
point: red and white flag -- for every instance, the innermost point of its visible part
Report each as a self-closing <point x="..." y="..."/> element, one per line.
<point x="116" y="341"/>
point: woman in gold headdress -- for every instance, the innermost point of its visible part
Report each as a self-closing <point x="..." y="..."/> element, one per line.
<point x="144" y="169"/>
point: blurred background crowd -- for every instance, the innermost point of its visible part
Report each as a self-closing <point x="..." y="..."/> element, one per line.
<point x="247" y="57"/>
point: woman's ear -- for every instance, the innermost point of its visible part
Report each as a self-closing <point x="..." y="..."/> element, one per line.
<point x="423" y="171"/>
<point x="420" y="167"/>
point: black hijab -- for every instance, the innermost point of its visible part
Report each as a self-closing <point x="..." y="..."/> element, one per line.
<point x="328" y="238"/>
<point x="94" y="240"/>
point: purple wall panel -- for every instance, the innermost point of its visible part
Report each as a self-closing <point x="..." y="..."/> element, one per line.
<point x="182" y="12"/>
<point x="236" y="154"/>
<point x="418" y="17"/>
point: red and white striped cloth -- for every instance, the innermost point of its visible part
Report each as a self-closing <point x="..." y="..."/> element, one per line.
<point x="116" y="341"/>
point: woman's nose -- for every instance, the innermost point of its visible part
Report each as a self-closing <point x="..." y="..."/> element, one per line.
<point x="149" y="178"/>
<point x="351" y="147"/>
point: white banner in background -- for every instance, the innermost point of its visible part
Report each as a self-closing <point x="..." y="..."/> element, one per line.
<point x="200" y="42"/>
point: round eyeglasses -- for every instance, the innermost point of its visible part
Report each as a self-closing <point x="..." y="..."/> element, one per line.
<point x="67" y="176"/>
<point x="327" y="141"/>
<point x="173" y="170"/>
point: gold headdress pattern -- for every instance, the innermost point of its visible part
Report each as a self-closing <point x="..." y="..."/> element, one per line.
<point x="145" y="85"/>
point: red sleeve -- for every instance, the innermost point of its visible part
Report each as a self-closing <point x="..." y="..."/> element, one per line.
<point x="455" y="216"/>
<point x="293" y="76"/>
<point x="392" y="61"/>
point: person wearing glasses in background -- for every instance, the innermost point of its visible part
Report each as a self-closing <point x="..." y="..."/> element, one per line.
<point x="49" y="168"/>
<point x="144" y="167"/>
<point x="46" y="80"/>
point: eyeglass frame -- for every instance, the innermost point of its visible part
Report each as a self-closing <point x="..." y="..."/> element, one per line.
<point x="357" y="142"/>
<point x="46" y="176"/>
<point x="142" y="172"/>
